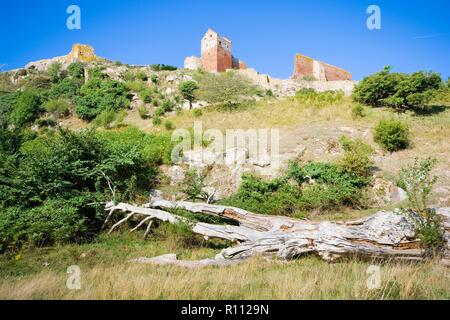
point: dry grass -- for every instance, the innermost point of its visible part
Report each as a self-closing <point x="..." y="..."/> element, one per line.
<point x="107" y="274"/>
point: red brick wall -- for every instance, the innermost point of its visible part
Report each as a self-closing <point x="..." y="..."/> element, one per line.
<point x="209" y="60"/>
<point x="333" y="73"/>
<point x="224" y="60"/>
<point x="303" y="66"/>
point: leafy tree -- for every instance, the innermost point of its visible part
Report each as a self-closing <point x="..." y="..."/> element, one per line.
<point x="397" y="90"/>
<point x="26" y="109"/>
<point x="228" y="89"/>
<point x="187" y="90"/>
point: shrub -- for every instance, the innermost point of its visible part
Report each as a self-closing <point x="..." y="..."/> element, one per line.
<point x="146" y="95"/>
<point x="54" y="72"/>
<point x="156" y="120"/>
<point x="392" y="134"/>
<point x="135" y="85"/>
<point x="187" y="90"/>
<point x="313" y="98"/>
<point x="141" y="75"/>
<point x="99" y="95"/>
<point x="162" y="67"/>
<point x="197" y="113"/>
<point x="53" y="185"/>
<point x="228" y="89"/>
<point x="358" y="111"/>
<point x="68" y="88"/>
<point x="193" y="185"/>
<point x="76" y="70"/>
<point x="169" y="125"/>
<point x="332" y="187"/>
<point x="418" y="183"/>
<point x="109" y="119"/>
<point x="26" y="109"/>
<point x="56" y="221"/>
<point x="58" y="107"/>
<point x="397" y="90"/>
<point x="143" y="112"/>
<point x="356" y="156"/>
<point x="266" y="197"/>
<point x="154" y="78"/>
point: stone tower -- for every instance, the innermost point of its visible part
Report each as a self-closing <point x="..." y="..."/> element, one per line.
<point x="216" y="52"/>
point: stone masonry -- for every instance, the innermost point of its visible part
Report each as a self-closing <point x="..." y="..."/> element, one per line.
<point x="216" y="55"/>
<point x="306" y="67"/>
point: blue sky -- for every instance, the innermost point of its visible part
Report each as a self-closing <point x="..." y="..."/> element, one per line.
<point x="415" y="35"/>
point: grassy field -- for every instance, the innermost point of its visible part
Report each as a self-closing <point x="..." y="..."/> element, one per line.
<point x="107" y="274"/>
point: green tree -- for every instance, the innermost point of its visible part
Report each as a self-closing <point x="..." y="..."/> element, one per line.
<point x="26" y="109"/>
<point x="187" y="90"/>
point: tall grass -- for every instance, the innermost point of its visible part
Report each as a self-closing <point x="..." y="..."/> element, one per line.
<point x="106" y="274"/>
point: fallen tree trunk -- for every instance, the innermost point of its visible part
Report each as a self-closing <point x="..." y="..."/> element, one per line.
<point x="386" y="235"/>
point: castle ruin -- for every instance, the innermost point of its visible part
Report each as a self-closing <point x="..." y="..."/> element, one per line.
<point x="216" y="55"/>
<point x="306" y="67"/>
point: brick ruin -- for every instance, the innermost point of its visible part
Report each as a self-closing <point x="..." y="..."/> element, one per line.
<point x="216" y="55"/>
<point x="306" y="67"/>
<point x="79" y="53"/>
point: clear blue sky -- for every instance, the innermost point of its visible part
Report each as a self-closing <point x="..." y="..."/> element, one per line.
<point x="415" y="35"/>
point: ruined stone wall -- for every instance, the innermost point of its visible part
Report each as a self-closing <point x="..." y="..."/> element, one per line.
<point x="333" y="73"/>
<point x="307" y="67"/>
<point x="216" y="52"/>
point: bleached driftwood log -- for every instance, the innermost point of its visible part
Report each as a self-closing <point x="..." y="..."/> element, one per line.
<point x="387" y="234"/>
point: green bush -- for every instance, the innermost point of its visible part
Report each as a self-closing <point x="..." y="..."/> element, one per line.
<point x="52" y="186"/>
<point x="68" y="88"/>
<point x="418" y="183"/>
<point x="26" y="109"/>
<point x="146" y="95"/>
<point x="162" y="67"/>
<point x="397" y="90"/>
<point x="275" y="197"/>
<point x="169" y="125"/>
<point x="141" y="75"/>
<point x="143" y="112"/>
<point x="188" y="89"/>
<point x="193" y="185"/>
<point x="76" y="70"/>
<point x="58" y="107"/>
<point x="356" y="156"/>
<point x="392" y="135"/>
<point x="109" y="119"/>
<point x="310" y="97"/>
<point x="99" y="95"/>
<point x="154" y="78"/>
<point x="358" y="111"/>
<point x="228" y="89"/>
<point x="54" y="72"/>
<point x="312" y="187"/>
<point x="197" y="113"/>
<point x="156" y="120"/>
